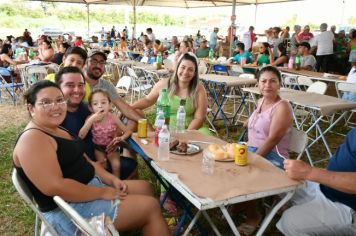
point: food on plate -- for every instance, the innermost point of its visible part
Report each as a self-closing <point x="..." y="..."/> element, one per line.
<point x="182" y="147"/>
<point x="173" y="144"/>
<point x="230" y="149"/>
<point x="218" y="152"/>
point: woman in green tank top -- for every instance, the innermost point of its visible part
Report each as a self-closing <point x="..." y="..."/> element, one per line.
<point x="264" y="56"/>
<point x="184" y="84"/>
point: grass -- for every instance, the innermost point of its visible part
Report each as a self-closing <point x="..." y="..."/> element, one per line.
<point x="16" y="218"/>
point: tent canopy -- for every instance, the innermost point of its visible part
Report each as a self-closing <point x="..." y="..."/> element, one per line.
<point x="172" y="3"/>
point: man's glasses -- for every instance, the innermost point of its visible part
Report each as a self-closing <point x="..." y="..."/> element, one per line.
<point x="95" y="62"/>
<point x="49" y="104"/>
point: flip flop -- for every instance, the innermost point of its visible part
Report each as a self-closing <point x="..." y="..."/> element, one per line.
<point x="246" y="229"/>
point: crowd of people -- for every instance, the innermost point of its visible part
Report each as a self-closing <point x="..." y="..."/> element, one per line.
<point x="70" y="111"/>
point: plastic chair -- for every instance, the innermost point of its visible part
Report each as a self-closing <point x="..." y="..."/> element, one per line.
<point x="34" y="74"/>
<point x="341" y="88"/>
<point x="247" y="76"/>
<point x="317" y="87"/>
<point x="10" y="88"/>
<point x="123" y="86"/>
<point x="168" y="64"/>
<point x="304" y="82"/>
<point x="26" y="195"/>
<point x="140" y="86"/>
<point x="220" y="69"/>
<point x="297" y="143"/>
<point x="144" y="59"/>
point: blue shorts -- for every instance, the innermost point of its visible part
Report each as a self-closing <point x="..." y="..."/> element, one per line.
<point x="273" y="157"/>
<point x="64" y="226"/>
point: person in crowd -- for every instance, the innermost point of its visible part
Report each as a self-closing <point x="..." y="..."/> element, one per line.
<point x="148" y="51"/>
<point x="158" y="47"/>
<point x="72" y="83"/>
<point x="58" y="43"/>
<point x="333" y="30"/>
<point x="275" y="40"/>
<point x="341" y="42"/>
<point x="213" y="42"/>
<point x="8" y="65"/>
<point x="78" y="42"/>
<point x="285" y="33"/>
<point x="87" y="187"/>
<point x="269" y="129"/>
<point x="104" y="126"/>
<point x="58" y="57"/>
<point x="1" y="43"/>
<point x="70" y="40"/>
<point x="306" y="35"/>
<point x="27" y="38"/>
<point x="324" y="44"/>
<point x="174" y="43"/>
<point x="308" y="60"/>
<point x="265" y="54"/>
<point x="151" y="36"/>
<point x="294" y="40"/>
<point x="327" y="203"/>
<point x="249" y="38"/>
<point x="282" y="56"/>
<point x="231" y="33"/>
<point x="123" y="44"/>
<point x="113" y="32"/>
<point x="203" y="49"/>
<point x="184" y="84"/>
<point x="74" y="56"/>
<point x="183" y="48"/>
<point x="109" y="42"/>
<point x="242" y="53"/>
<point x="352" y="41"/>
<point x="45" y="52"/>
<point x="351" y="77"/>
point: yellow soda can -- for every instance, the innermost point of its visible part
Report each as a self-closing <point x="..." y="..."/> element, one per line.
<point x="142" y="128"/>
<point x="241" y="154"/>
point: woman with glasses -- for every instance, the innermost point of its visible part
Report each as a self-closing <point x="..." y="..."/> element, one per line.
<point x="51" y="161"/>
<point x="184" y="84"/>
<point x="265" y="54"/>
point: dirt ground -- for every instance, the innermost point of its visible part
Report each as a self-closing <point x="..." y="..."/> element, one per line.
<point x="10" y="114"/>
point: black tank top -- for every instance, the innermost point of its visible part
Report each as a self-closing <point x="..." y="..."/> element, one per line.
<point x="72" y="163"/>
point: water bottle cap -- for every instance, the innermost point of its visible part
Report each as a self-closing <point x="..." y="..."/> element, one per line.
<point x="182" y="102"/>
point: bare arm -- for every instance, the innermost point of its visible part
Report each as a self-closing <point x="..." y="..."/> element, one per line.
<point x="281" y="121"/>
<point x="201" y="109"/>
<point x="36" y="154"/>
<point x="280" y="60"/>
<point x="88" y="124"/>
<point x="126" y="109"/>
<point x="342" y="181"/>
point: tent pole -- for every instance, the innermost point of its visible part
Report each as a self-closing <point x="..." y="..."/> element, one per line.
<point x="134" y="19"/>
<point x="233" y="17"/>
<point x="88" y="19"/>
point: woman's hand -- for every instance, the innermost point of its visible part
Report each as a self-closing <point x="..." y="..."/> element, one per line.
<point x="121" y="186"/>
<point x="110" y="193"/>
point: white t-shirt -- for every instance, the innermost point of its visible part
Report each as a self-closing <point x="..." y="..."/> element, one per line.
<point x="246" y="39"/>
<point x="324" y="42"/>
<point x="351" y="77"/>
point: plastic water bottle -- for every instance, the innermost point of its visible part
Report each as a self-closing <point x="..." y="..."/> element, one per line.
<point x="211" y="54"/>
<point x="208" y="163"/>
<point x="158" y="124"/>
<point x="163" y="144"/>
<point x="181" y="117"/>
<point x="291" y="62"/>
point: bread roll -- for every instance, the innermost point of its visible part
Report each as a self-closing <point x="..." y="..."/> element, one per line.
<point x="230" y="149"/>
<point x="217" y="151"/>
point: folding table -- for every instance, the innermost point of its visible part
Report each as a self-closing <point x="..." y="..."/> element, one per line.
<point x="229" y="184"/>
<point x="319" y="105"/>
<point x="218" y="87"/>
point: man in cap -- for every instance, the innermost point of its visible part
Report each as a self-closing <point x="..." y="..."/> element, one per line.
<point x="324" y="44"/>
<point x="93" y="70"/>
<point x="203" y="50"/>
<point x="308" y="61"/>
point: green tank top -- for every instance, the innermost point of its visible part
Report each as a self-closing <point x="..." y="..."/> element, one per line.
<point x="189" y="110"/>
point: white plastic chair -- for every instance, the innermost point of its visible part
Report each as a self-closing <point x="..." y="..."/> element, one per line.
<point x="140" y="86"/>
<point x="123" y="86"/>
<point x="144" y="59"/>
<point x="168" y="64"/>
<point x="34" y="74"/>
<point x="304" y="82"/>
<point x="341" y="88"/>
<point x="26" y="195"/>
<point x="317" y="87"/>
<point x="247" y="76"/>
<point x="297" y="143"/>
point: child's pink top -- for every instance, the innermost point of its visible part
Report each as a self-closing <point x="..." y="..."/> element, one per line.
<point x="104" y="132"/>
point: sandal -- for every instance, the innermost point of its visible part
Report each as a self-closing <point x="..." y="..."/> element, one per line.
<point x="246" y="229"/>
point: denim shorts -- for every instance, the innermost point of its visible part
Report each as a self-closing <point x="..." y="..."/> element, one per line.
<point x="273" y="157"/>
<point x="63" y="225"/>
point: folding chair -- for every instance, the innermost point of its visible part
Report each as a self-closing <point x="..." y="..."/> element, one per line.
<point x="34" y="74"/>
<point x="26" y="195"/>
<point x="297" y="143"/>
<point x="304" y="82"/>
<point x="123" y="86"/>
<point x="341" y="88"/>
<point x="220" y="69"/>
<point x="140" y="85"/>
<point x="10" y="88"/>
<point x="289" y="80"/>
<point x="80" y="222"/>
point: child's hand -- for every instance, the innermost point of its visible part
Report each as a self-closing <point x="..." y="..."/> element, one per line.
<point x="97" y="116"/>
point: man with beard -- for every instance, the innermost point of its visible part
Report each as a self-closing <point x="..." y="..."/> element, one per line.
<point x="72" y="84"/>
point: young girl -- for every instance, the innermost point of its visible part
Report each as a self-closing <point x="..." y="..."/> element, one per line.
<point x="104" y="127"/>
